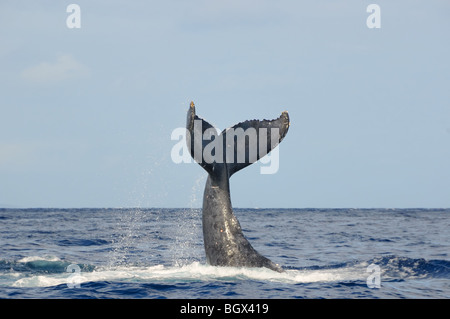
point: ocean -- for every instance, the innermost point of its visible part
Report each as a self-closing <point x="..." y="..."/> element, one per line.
<point x="137" y="253"/>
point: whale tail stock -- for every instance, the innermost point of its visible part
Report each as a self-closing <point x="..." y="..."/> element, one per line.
<point x="236" y="147"/>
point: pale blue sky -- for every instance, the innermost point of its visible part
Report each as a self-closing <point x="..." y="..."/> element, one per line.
<point x="86" y="114"/>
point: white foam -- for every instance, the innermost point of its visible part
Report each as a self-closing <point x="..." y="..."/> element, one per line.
<point x="193" y="272"/>
<point x="36" y="258"/>
<point x="39" y="281"/>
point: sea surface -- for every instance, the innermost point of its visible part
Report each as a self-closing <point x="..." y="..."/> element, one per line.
<point x="158" y="253"/>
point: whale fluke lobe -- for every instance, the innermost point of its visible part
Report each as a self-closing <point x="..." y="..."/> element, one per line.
<point x="196" y="128"/>
<point x="222" y="155"/>
<point x="268" y="135"/>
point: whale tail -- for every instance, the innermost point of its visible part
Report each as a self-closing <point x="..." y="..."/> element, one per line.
<point x="236" y="147"/>
<point x="222" y="155"/>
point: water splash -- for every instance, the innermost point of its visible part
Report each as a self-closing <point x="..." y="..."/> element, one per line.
<point x="188" y="247"/>
<point x="130" y="237"/>
<point x="127" y="236"/>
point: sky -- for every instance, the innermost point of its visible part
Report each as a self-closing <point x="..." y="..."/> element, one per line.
<point x="86" y="114"/>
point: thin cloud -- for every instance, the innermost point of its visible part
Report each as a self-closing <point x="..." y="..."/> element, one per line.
<point x="64" y="68"/>
<point x="14" y="156"/>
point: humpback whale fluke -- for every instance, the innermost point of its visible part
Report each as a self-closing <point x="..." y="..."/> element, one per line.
<point x="222" y="155"/>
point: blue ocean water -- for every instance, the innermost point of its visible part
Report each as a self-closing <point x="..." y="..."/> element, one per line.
<point x="158" y="253"/>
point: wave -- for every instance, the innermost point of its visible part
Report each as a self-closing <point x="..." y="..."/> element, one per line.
<point x="50" y="271"/>
<point x="394" y="267"/>
<point x="39" y="265"/>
